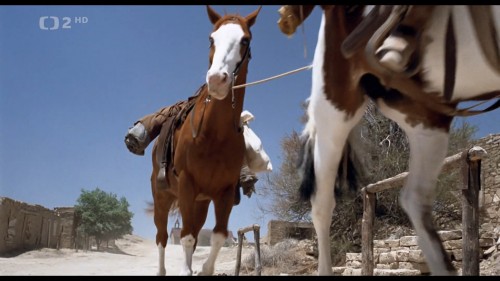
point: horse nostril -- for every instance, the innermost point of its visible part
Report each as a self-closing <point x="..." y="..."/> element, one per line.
<point x="218" y="78"/>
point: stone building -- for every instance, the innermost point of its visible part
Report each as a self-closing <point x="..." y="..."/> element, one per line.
<point x="25" y="227"/>
<point x="281" y="230"/>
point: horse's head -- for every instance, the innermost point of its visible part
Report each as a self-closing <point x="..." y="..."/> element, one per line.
<point x="229" y="50"/>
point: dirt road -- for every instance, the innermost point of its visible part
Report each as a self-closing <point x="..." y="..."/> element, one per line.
<point x="134" y="256"/>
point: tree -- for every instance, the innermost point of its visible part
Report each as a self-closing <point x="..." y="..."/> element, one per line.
<point x="103" y="216"/>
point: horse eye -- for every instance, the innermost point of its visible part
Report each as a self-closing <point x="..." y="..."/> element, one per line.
<point x="211" y="40"/>
<point x="245" y="41"/>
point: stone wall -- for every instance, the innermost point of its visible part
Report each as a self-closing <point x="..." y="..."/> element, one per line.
<point x="489" y="200"/>
<point x="25" y="227"/>
<point x="68" y="226"/>
<point x="403" y="257"/>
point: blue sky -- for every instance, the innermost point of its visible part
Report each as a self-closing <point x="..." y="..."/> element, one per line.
<point x="69" y="95"/>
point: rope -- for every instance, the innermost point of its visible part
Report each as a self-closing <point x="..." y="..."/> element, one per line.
<point x="274" y="77"/>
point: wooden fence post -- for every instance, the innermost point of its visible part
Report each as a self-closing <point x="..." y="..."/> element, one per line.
<point x="470" y="213"/>
<point x="367" y="232"/>
<point x="256" y="235"/>
<point x="238" y="255"/>
<point x="256" y="231"/>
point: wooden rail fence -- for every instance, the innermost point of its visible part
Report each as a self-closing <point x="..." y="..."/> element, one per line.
<point x="470" y="210"/>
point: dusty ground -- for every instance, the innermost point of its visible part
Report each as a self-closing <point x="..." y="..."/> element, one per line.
<point x="133" y="256"/>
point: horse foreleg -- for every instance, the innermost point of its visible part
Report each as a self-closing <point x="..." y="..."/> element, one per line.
<point x="200" y="211"/>
<point x="216" y="242"/>
<point x="223" y="206"/>
<point x="428" y="151"/>
<point x="161" y="261"/>
<point x="187" y="243"/>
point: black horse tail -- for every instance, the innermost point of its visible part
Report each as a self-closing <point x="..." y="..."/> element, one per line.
<point x="350" y="175"/>
<point x="350" y="178"/>
<point x="305" y="167"/>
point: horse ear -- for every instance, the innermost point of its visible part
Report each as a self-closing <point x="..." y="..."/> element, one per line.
<point x="251" y="17"/>
<point x="212" y="15"/>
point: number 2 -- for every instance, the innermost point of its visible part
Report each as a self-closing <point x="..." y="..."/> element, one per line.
<point x="66" y="22"/>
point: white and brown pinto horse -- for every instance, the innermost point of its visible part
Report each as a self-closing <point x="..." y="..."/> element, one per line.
<point x="208" y="148"/>
<point x="422" y="103"/>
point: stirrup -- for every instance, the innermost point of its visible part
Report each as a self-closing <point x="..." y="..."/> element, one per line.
<point x="161" y="178"/>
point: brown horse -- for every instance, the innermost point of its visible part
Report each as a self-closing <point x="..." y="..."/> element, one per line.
<point x="208" y="147"/>
<point x="452" y="69"/>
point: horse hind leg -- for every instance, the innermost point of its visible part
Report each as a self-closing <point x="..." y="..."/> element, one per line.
<point x="163" y="201"/>
<point x="428" y="147"/>
<point x="162" y="206"/>
<point x="428" y="150"/>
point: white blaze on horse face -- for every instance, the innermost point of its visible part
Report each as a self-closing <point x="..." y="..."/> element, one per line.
<point x="226" y="57"/>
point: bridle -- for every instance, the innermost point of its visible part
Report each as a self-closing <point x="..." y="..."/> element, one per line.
<point x="246" y="57"/>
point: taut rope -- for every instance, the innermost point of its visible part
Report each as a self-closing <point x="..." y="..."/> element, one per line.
<point x="273" y="77"/>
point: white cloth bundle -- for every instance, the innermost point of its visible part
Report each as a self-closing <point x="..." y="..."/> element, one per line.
<point x="255" y="156"/>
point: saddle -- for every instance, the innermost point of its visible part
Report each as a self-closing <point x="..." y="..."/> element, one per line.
<point x="381" y="20"/>
<point x="173" y="123"/>
<point x="387" y="17"/>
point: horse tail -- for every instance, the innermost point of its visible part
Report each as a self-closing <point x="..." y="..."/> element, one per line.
<point x="305" y="165"/>
<point x="150" y="208"/>
<point x="350" y="175"/>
